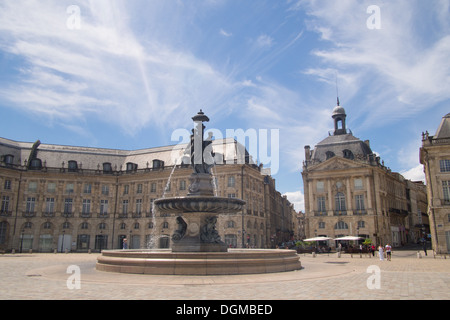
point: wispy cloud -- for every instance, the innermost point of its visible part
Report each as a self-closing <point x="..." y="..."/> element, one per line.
<point x="413" y="67"/>
<point x="102" y="69"/>
<point x="225" y="33"/>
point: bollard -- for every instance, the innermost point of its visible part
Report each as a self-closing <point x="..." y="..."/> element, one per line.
<point x="13" y="251"/>
<point x="313" y="254"/>
<point x="338" y="254"/>
<point x="419" y="256"/>
<point x="55" y="251"/>
<point x="89" y="251"/>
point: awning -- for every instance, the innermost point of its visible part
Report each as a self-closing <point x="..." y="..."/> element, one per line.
<point x="317" y="239"/>
<point x="349" y="238"/>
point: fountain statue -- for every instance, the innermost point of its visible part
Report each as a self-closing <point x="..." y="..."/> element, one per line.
<point x="197" y="213"/>
<point x="197" y="248"/>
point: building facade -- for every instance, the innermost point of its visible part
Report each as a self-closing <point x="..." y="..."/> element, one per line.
<point x="435" y="157"/>
<point x="348" y="191"/>
<point x="58" y="198"/>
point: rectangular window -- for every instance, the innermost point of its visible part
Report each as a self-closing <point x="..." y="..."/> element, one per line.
<point x="87" y="188"/>
<point x="445" y="165"/>
<point x="126" y="189"/>
<point x="51" y="187"/>
<point x="125" y="206"/>
<point x="358" y="184"/>
<point x="153" y="188"/>
<point x="231" y="182"/>
<point x="32" y="186"/>
<point x="138" y="206"/>
<point x="359" y="202"/>
<point x="320" y="186"/>
<point x="340" y="202"/>
<point x="7" y="184"/>
<point x="86" y="206"/>
<point x="139" y="188"/>
<point x="50" y="205"/>
<point x="105" y="190"/>
<point x="5" y="204"/>
<point x="103" y="206"/>
<point x="70" y="188"/>
<point x="446" y="190"/>
<point x="321" y="205"/>
<point x="68" y="206"/>
<point x="31" y="203"/>
<point x="182" y="185"/>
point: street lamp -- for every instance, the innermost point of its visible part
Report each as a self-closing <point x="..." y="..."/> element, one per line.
<point x="62" y="241"/>
<point x="21" y="240"/>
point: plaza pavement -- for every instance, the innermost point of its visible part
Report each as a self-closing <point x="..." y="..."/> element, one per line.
<point x="44" y="277"/>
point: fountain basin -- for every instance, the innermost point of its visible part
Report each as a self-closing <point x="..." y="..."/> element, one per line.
<point x="166" y="262"/>
<point x="199" y="204"/>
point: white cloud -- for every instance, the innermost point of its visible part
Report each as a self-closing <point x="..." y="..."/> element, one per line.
<point x="297" y="199"/>
<point x="264" y="41"/>
<point x="414" y="174"/>
<point x="103" y="69"/>
<point x="225" y="33"/>
<point x="397" y="64"/>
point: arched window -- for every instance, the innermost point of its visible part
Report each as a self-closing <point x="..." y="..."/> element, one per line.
<point x="47" y="225"/>
<point x="150" y="225"/>
<point x="73" y="166"/>
<point x="107" y="167"/>
<point x="330" y="154"/>
<point x="341" y="225"/>
<point x="348" y="154"/>
<point x="165" y="225"/>
<point x="340" y="203"/>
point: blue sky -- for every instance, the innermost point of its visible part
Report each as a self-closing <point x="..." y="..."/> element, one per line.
<point x="137" y="70"/>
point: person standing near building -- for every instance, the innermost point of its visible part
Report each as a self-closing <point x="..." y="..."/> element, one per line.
<point x="125" y="244"/>
<point x="388" y="252"/>
<point x="381" y="252"/>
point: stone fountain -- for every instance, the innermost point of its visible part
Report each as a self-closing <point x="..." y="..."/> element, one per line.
<point x="197" y="248"/>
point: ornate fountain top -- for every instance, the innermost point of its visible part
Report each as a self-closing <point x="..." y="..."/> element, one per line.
<point x="201" y="161"/>
<point x="200" y="117"/>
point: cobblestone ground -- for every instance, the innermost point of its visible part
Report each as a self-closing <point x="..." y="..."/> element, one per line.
<point x="45" y="277"/>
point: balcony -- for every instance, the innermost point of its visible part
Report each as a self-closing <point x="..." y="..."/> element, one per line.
<point x="320" y="213"/>
<point x="5" y="213"/>
<point x="28" y="214"/>
<point x="340" y="212"/>
<point x="360" y="212"/>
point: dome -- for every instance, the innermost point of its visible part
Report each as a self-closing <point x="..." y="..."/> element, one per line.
<point x="338" y="110"/>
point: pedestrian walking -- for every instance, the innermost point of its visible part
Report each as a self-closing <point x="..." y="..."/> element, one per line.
<point x="372" y="248"/>
<point x="381" y="252"/>
<point x="388" y="252"/>
<point x="125" y="244"/>
<point x="425" y="246"/>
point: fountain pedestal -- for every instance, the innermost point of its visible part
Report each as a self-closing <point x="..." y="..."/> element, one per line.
<point x="196" y="245"/>
<point x="200" y="234"/>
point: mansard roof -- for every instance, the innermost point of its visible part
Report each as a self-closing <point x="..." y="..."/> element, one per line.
<point x="443" y="131"/>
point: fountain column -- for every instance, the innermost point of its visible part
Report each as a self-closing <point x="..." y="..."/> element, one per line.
<point x="197" y="213"/>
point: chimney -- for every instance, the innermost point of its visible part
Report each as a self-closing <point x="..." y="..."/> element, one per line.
<point x="307" y="153"/>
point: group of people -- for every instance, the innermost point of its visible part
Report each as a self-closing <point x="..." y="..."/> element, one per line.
<point x="381" y="250"/>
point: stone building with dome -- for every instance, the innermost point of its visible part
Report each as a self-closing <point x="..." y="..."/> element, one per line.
<point x="349" y="191"/>
<point x="435" y="157"/>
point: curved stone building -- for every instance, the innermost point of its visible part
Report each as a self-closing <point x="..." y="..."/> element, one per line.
<point x="58" y="198"/>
